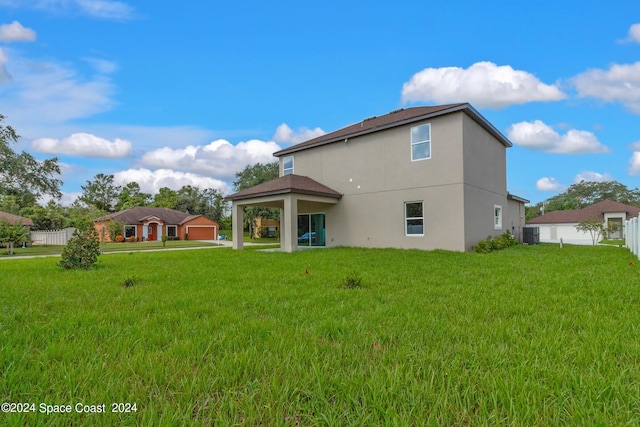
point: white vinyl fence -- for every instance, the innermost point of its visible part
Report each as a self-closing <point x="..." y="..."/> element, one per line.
<point x="632" y="240"/>
<point x="53" y="237"/>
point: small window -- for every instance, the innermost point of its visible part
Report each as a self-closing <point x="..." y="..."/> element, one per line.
<point x="497" y="217"/>
<point x="172" y="231"/>
<point x="414" y="219"/>
<point x="287" y="165"/>
<point x="129" y="231"/>
<point x="421" y="142"/>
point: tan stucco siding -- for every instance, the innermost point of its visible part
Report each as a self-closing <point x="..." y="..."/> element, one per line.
<point x="515" y="219"/>
<point x="485" y="159"/>
<point x="485" y="178"/>
<point x="459" y="185"/>
<point x="382" y="161"/>
<point x="479" y="205"/>
<point x="378" y="219"/>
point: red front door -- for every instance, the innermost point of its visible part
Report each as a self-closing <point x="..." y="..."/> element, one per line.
<point x="153" y="230"/>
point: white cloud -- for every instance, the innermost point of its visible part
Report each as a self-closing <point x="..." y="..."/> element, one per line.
<point x="483" y="84"/>
<point x="634" y="164"/>
<point x="15" y="32"/>
<point x="84" y="145"/>
<point x="219" y="158"/>
<point x="152" y="181"/>
<point x="46" y="92"/>
<point x="102" y="9"/>
<point x="106" y="9"/>
<point x="102" y="66"/>
<point x="539" y="136"/>
<point x="548" y="184"/>
<point x="592" y="176"/>
<point x="620" y="83"/>
<point x="634" y="33"/>
<point x="4" y="74"/>
<point x="286" y="135"/>
<point x="634" y="161"/>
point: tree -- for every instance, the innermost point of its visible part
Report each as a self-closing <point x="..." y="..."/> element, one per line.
<point x="115" y="228"/>
<point x="208" y="202"/>
<point x="131" y="196"/>
<point x="596" y="229"/>
<point x="253" y="175"/>
<point x="52" y="216"/>
<point x="166" y="198"/>
<point x="22" y="174"/>
<point x="101" y="193"/>
<point x="256" y="174"/>
<point x="82" y="250"/>
<point x="13" y="234"/>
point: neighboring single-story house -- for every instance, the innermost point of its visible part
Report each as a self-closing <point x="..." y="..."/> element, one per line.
<point x="558" y="225"/>
<point x="145" y="223"/>
<point x="15" y="219"/>
<point x="423" y="178"/>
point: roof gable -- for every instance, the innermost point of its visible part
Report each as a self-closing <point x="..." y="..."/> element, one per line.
<point x="393" y="119"/>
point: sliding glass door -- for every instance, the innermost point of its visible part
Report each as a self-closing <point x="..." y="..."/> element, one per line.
<point x="311" y="230"/>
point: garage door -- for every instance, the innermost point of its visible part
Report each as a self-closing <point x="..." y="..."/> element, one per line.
<point x="201" y="233"/>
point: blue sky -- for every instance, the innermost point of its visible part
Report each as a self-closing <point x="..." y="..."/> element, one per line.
<point x="169" y="94"/>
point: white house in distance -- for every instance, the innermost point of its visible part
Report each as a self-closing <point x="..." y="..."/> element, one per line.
<point x="423" y="177"/>
<point x="558" y="225"/>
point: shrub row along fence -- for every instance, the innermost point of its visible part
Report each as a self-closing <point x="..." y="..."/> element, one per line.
<point x="52" y="237"/>
<point x="632" y="240"/>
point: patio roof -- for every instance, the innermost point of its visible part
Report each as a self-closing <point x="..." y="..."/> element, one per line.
<point x="287" y="184"/>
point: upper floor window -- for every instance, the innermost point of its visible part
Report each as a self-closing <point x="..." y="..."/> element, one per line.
<point x="421" y="142"/>
<point x="497" y="217"/>
<point x="287" y="165"/>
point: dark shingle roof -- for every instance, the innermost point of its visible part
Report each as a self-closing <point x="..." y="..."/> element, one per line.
<point x="137" y="214"/>
<point x="15" y="219"/>
<point x="393" y="119"/>
<point x="286" y="184"/>
<point x="593" y="212"/>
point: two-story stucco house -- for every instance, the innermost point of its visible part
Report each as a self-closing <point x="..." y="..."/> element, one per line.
<point x="423" y="177"/>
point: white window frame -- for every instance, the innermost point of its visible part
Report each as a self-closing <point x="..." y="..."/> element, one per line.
<point x="497" y="217"/>
<point x="407" y="219"/>
<point x="135" y="231"/>
<point x="286" y="170"/>
<point x="175" y="227"/>
<point x="420" y="142"/>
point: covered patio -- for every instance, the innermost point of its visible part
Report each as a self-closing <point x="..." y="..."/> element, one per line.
<point x="297" y="197"/>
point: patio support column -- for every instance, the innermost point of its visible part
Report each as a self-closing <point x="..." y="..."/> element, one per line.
<point x="237" y="219"/>
<point x="290" y="227"/>
<point x="281" y="228"/>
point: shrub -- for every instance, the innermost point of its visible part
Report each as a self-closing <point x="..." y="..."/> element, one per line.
<point x="491" y="243"/>
<point x="114" y="228"/>
<point x="352" y="281"/>
<point x="119" y="238"/>
<point x="131" y="239"/>
<point x="483" y="246"/>
<point x="129" y="282"/>
<point x="82" y="250"/>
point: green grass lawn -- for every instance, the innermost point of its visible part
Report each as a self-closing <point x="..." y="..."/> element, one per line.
<point x="532" y="335"/>
<point x="39" y="250"/>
